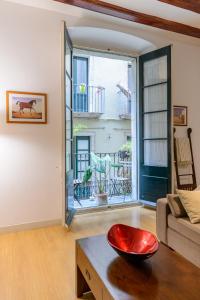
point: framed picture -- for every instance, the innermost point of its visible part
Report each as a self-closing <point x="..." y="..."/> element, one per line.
<point x="24" y="107"/>
<point x="180" y="116"/>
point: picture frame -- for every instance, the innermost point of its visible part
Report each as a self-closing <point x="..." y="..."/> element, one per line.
<point x="180" y="115"/>
<point x="26" y="107"/>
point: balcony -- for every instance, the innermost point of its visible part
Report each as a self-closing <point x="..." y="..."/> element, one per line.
<point x="117" y="184"/>
<point x="88" y="101"/>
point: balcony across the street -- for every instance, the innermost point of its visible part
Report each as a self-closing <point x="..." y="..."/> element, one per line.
<point x="88" y="101"/>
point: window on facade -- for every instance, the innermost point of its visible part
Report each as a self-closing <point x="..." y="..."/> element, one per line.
<point x="80" y="77"/>
<point x="82" y="155"/>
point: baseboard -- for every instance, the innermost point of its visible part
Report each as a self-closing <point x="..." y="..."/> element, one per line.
<point x="29" y="226"/>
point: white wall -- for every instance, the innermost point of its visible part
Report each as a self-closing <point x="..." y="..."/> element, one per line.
<point x="30" y="60"/>
<point x="186" y="92"/>
<point x="108" y="73"/>
<point x="30" y="155"/>
<point x="107" y="135"/>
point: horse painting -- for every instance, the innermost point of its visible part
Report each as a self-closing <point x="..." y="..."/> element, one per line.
<point x="27" y="105"/>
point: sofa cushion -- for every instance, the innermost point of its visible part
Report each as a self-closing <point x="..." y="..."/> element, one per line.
<point x="176" y="206"/>
<point x="191" y="203"/>
<point x="185" y="227"/>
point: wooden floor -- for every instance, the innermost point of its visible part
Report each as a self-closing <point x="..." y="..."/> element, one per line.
<point x="40" y="264"/>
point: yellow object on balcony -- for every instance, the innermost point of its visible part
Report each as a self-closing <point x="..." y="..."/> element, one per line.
<point x="82" y="88"/>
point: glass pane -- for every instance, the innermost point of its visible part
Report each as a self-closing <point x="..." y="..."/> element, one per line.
<point x="155" y="153"/>
<point x="80" y="72"/>
<point x="83" y="144"/>
<point x="84" y="154"/>
<point x="80" y="101"/>
<point x="68" y="92"/>
<point x="155" y="98"/>
<point x="155" y="71"/>
<point x="155" y="125"/>
<point x="82" y="165"/>
<point x="69" y="190"/>
<point x="68" y="124"/>
<point x="80" y="175"/>
<point x="68" y="56"/>
<point x="68" y="156"/>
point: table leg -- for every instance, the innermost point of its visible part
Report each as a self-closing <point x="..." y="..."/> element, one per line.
<point x="81" y="284"/>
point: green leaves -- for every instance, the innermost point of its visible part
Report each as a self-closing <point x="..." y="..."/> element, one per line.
<point x="87" y="175"/>
<point x="126" y="147"/>
<point x="100" y="164"/>
<point x="101" y="167"/>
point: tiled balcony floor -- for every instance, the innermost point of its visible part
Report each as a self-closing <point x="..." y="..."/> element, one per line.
<point x="114" y="200"/>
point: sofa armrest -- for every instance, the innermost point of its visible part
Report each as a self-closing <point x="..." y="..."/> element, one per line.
<point x="162" y="212"/>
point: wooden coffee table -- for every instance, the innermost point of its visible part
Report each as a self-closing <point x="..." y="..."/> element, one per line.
<point x="165" y="276"/>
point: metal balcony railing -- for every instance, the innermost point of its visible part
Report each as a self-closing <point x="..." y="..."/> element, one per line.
<point x="118" y="180"/>
<point x="88" y="99"/>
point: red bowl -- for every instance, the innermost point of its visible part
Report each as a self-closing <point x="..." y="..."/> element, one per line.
<point x="132" y="243"/>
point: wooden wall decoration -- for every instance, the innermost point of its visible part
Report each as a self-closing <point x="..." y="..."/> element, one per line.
<point x="180" y="174"/>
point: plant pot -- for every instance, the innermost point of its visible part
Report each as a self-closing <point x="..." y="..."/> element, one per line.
<point x="124" y="154"/>
<point x="102" y="199"/>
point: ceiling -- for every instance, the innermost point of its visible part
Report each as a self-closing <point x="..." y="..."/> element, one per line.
<point x="162" y="10"/>
<point x="91" y="29"/>
<point x="152" y="7"/>
<point x="91" y="37"/>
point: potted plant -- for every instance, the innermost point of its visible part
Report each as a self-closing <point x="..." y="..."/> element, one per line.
<point x="101" y="168"/>
<point x="125" y="151"/>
